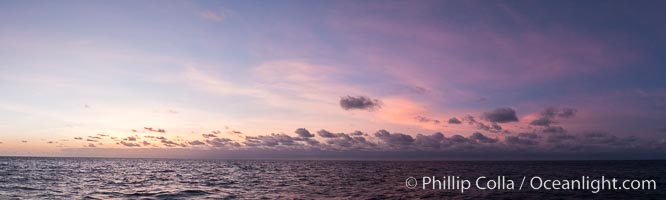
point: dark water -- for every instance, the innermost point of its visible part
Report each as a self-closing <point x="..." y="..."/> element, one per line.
<point x="97" y="178"/>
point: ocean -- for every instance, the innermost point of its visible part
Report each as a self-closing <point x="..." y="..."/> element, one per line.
<point x="115" y="178"/>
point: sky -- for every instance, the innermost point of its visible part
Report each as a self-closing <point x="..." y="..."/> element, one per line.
<point x="334" y="79"/>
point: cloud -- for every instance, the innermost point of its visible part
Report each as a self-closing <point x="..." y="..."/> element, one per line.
<point x="493" y="128"/>
<point x="222" y="142"/>
<point x="479" y="137"/>
<point x="326" y="134"/>
<point x="169" y="143"/>
<point x="543" y="121"/>
<point x="357" y="133"/>
<point x="130" y="138"/>
<point x="91" y="145"/>
<point x="350" y="142"/>
<point x="270" y="140"/>
<point x="433" y="141"/>
<point x="559" y="137"/>
<point x="151" y="129"/>
<point x="78" y="138"/>
<point x="304" y="133"/>
<point x="522" y="139"/>
<point x="196" y="142"/>
<point x="208" y="135"/>
<point x="360" y="103"/>
<point x="145" y="143"/>
<point x="426" y="119"/>
<point x="129" y="144"/>
<point x="554" y="129"/>
<point x="501" y="115"/>
<point x="550" y="113"/>
<point x="454" y="120"/>
<point x="394" y="138"/>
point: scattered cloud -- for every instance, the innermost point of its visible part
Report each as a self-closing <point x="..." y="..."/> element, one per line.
<point x="151" y="129"/>
<point x="501" y="115"/>
<point x="222" y="142"/>
<point x="196" y="143"/>
<point x="423" y="119"/>
<point x="543" y="121"/>
<point x="549" y="114"/>
<point x="394" y="138"/>
<point x="454" y="120"/>
<point x="359" y="103"/>
<point x="304" y="133"/>
<point x="327" y="134"/>
<point x="479" y="137"/>
<point x="129" y="144"/>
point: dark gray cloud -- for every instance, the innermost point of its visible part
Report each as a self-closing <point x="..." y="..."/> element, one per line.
<point x="151" y="129"/>
<point x="129" y="144"/>
<point x="196" y="142"/>
<point x="554" y="129"/>
<point x="552" y="112"/>
<point x="169" y="143"/>
<point x="493" y="128"/>
<point x="459" y="139"/>
<point x="304" y="133"/>
<point x="360" y="103"/>
<point x="501" y="115"/>
<point x="549" y="114"/>
<point x="222" y="142"/>
<point x="454" y="120"/>
<point x="357" y="133"/>
<point x="438" y="145"/>
<point x="426" y="119"/>
<point x="523" y="139"/>
<point x="350" y="142"/>
<point x="327" y="134"/>
<point x="543" y="121"/>
<point x="394" y="138"/>
<point x="274" y="139"/>
<point x="559" y="137"/>
<point x="567" y="112"/>
<point x="430" y="142"/>
<point x="479" y="137"/>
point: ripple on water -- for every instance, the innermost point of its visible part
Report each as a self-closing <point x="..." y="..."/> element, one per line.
<point x="90" y="178"/>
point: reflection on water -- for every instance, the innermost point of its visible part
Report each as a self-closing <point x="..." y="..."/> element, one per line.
<point x="101" y="178"/>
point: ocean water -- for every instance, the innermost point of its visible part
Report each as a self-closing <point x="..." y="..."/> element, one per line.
<point x="110" y="178"/>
